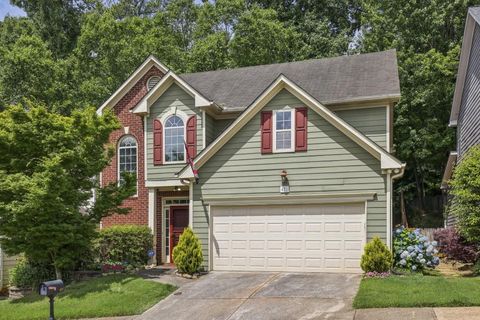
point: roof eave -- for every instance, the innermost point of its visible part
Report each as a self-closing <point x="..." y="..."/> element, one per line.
<point x="130" y="82"/>
<point x="462" y="68"/>
<point x="388" y="162"/>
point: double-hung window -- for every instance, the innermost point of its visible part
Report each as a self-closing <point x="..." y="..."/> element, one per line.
<point x="283" y="128"/>
<point x="127" y="157"/>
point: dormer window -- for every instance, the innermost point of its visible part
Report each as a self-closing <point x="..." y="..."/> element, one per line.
<point x="174" y="139"/>
<point x="152" y="81"/>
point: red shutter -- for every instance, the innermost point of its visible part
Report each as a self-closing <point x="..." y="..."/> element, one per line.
<point x="301" y="129"/>
<point x="157" y="142"/>
<point x="192" y="136"/>
<point x="266" y="127"/>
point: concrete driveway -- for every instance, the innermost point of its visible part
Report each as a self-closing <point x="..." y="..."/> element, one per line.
<point x="233" y="296"/>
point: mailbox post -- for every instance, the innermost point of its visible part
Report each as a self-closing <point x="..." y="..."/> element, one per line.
<point x="51" y="289"/>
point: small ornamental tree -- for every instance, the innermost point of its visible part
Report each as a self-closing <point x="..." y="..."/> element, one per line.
<point x="455" y="247"/>
<point x="465" y="186"/>
<point x="376" y="257"/>
<point x="187" y="255"/>
<point x="47" y="167"/>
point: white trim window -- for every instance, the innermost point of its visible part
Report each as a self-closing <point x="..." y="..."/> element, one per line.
<point x="283" y="130"/>
<point x="127" y="156"/>
<point x="174" y="137"/>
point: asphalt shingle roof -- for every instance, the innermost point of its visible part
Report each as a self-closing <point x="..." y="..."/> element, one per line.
<point x="329" y="80"/>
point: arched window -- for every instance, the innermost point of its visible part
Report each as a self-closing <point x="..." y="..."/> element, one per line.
<point x="152" y="81"/>
<point x="174" y="139"/>
<point x="127" y="156"/>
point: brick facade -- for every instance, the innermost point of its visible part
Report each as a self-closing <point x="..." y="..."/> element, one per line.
<point x="134" y="123"/>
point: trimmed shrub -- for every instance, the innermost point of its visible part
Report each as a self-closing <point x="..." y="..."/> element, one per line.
<point x="124" y="244"/>
<point x="413" y="251"/>
<point x="376" y="257"/>
<point x="26" y="274"/>
<point x="455" y="247"/>
<point x="187" y="255"/>
<point x="465" y="188"/>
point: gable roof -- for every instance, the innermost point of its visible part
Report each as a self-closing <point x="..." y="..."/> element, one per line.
<point x="361" y="77"/>
<point x="473" y="18"/>
<point x="131" y="81"/>
<point x="388" y="162"/>
<point x="143" y="107"/>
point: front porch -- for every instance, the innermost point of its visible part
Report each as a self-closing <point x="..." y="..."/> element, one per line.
<point x="169" y="212"/>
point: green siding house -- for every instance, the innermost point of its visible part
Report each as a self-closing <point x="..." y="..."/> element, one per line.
<point x="283" y="167"/>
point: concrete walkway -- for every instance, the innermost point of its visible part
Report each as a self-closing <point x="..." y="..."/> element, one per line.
<point x="467" y="313"/>
<point x="277" y="296"/>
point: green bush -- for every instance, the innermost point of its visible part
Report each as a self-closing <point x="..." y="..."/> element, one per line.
<point x="465" y="188"/>
<point x="26" y="274"/>
<point x="376" y="257"/>
<point x="127" y="244"/>
<point x="187" y="255"/>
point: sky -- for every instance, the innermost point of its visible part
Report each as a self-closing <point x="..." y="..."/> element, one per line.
<point x="7" y="9"/>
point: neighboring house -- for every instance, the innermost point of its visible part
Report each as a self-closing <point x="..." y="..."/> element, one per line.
<point x="465" y="114"/>
<point x="294" y="163"/>
<point x="6" y="263"/>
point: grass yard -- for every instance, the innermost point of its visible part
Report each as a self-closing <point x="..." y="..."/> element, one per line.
<point x="114" y="295"/>
<point x="418" y="291"/>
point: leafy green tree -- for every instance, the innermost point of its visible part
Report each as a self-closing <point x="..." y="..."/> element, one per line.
<point x="326" y="27"/>
<point x="47" y="167"/>
<point x="27" y="70"/>
<point x="427" y="37"/>
<point x="58" y="21"/>
<point x="109" y="50"/>
<point x="465" y="186"/>
<point x="260" y="38"/>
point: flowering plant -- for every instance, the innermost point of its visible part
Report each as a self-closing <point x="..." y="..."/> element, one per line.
<point x="413" y="251"/>
<point x="113" y="266"/>
<point x="374" y="274"/>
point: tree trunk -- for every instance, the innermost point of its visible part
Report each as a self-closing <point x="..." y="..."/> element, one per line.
<point x="58" y="273"/>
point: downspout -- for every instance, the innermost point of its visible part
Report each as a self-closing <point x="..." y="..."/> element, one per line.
<point x="392" y="174"/>
<point x="398" y="173"/>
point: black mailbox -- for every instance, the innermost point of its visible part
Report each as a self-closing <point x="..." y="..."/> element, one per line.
<point x="51" y="288"/>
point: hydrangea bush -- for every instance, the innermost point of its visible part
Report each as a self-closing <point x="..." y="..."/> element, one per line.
<point x="413" y="251"/>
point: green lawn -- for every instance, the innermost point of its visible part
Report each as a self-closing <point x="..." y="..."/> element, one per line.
<point x="418" y="291"/>
<point x="114" y="295"/>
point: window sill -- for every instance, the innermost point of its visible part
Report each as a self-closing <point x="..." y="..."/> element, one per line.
<point x="175" y="162"/>
<point x="283" y="151"/>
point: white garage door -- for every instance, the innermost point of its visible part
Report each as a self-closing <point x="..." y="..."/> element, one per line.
<point x="309" y="238"/>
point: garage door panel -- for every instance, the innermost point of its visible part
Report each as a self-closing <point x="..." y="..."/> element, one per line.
<point x="289" y="238"/>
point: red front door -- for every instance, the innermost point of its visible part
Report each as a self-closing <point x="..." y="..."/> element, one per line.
<point x="178" y="222"/>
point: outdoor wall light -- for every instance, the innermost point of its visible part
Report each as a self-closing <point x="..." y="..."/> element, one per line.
<point x="285" y="186"/>
<point x="177" y="189"/>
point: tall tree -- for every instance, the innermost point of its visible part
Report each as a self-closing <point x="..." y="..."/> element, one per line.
<point x="58" y="21"/>
<point x="260" y="38"/>
<point x="47" y="162"/>
<point x="327" y="27"/>
<point x="427" y="35"/>
<point x="108" y="50"/>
